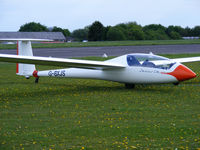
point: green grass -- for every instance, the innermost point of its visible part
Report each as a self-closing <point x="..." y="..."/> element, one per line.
<point x="92" y="114"/>
<point x="107" y="43"/>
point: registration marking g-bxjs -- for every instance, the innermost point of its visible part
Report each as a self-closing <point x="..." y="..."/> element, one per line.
<point x="57" y="73"/>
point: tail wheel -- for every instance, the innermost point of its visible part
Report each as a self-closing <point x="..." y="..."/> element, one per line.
<point x="176" y="83"/>
<point x="36" y="80"/>
<point x="129" y="86"/>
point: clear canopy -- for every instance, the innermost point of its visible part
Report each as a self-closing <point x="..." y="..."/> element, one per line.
<point x="146" y="61"/>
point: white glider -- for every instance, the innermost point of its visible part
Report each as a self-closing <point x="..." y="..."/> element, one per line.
<point x="129" y="69"/>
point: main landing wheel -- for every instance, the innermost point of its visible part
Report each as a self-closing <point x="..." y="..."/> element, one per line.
<point x="129" y="86"/>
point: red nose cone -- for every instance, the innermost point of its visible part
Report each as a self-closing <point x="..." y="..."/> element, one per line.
<point x="182" y="73"/>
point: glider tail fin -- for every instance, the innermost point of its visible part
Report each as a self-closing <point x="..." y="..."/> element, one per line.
<point x="24" y="48"/>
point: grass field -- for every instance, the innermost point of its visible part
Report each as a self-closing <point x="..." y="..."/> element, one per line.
<point x="107" y="43"/>
<point x="96" y="115"/>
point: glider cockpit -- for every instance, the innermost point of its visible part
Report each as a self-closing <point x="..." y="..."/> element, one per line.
<point x="148" y="61"/>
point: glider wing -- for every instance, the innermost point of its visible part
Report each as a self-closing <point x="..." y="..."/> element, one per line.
<point x="179" y="60"/>
<point x="61" y="62"/>
<point x="189" y="59"/>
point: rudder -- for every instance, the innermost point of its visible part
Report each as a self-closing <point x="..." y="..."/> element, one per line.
<point x="24" y="48"/>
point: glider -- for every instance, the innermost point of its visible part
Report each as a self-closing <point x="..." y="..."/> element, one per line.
<point x="130" y="69"/>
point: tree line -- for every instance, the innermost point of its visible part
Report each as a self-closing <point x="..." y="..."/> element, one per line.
<point x="123" y="31"/>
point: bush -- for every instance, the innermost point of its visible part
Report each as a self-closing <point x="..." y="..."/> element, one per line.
<point x="80" y="34"/>
<point x="115" y="34"/>
<point x="131" y="30"/>
<point x="156" y="35"/>
<point x="175" y="35"/>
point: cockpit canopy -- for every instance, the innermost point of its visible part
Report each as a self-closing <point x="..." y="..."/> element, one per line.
<point x="145" y="60"/>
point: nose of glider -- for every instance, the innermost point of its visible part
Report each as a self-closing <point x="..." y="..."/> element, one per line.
<point x="183" y="73"/>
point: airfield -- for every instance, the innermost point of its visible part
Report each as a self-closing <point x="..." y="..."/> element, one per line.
<point x="110" y="50"/>
<point x="64" y="113"/>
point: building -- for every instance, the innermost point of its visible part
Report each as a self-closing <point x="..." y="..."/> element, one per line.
<point x="56" y="36"/>
<point x="190" y="38"/>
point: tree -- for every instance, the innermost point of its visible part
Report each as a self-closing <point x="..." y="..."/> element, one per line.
<point x="96" y="32"/>
<point x="175" y="35"/>
<point x="156" y="35"/>
<point x="124" y="28"/>
<point x="106" y="29"/>
<point x="64" y="31"/>
<point x="131" y="30"/>
<point x="57" y="29"/>
<point x="154" y="27"/>
<point x="150" y="35"/>
<point x="135" y="32"/>
<point x="155" y="32"/>
<point x="188" y="32"/>
<point x="33" y="27"/>
<point x="196" y="31"/>
<point x="80" y="34"/>
<point x="177" y="29"/>
<point x="115" y="34"/>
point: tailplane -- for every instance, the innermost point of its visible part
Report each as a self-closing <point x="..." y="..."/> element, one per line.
<point x="24" y="48"/>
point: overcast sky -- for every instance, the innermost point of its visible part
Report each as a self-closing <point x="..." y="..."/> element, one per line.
<point x="75" y="14"/>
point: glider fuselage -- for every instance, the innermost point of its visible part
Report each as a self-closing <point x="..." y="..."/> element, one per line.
<point x="130" y="74"/>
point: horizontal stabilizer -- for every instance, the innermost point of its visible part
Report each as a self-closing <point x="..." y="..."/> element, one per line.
<point x="25" y="39"/>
